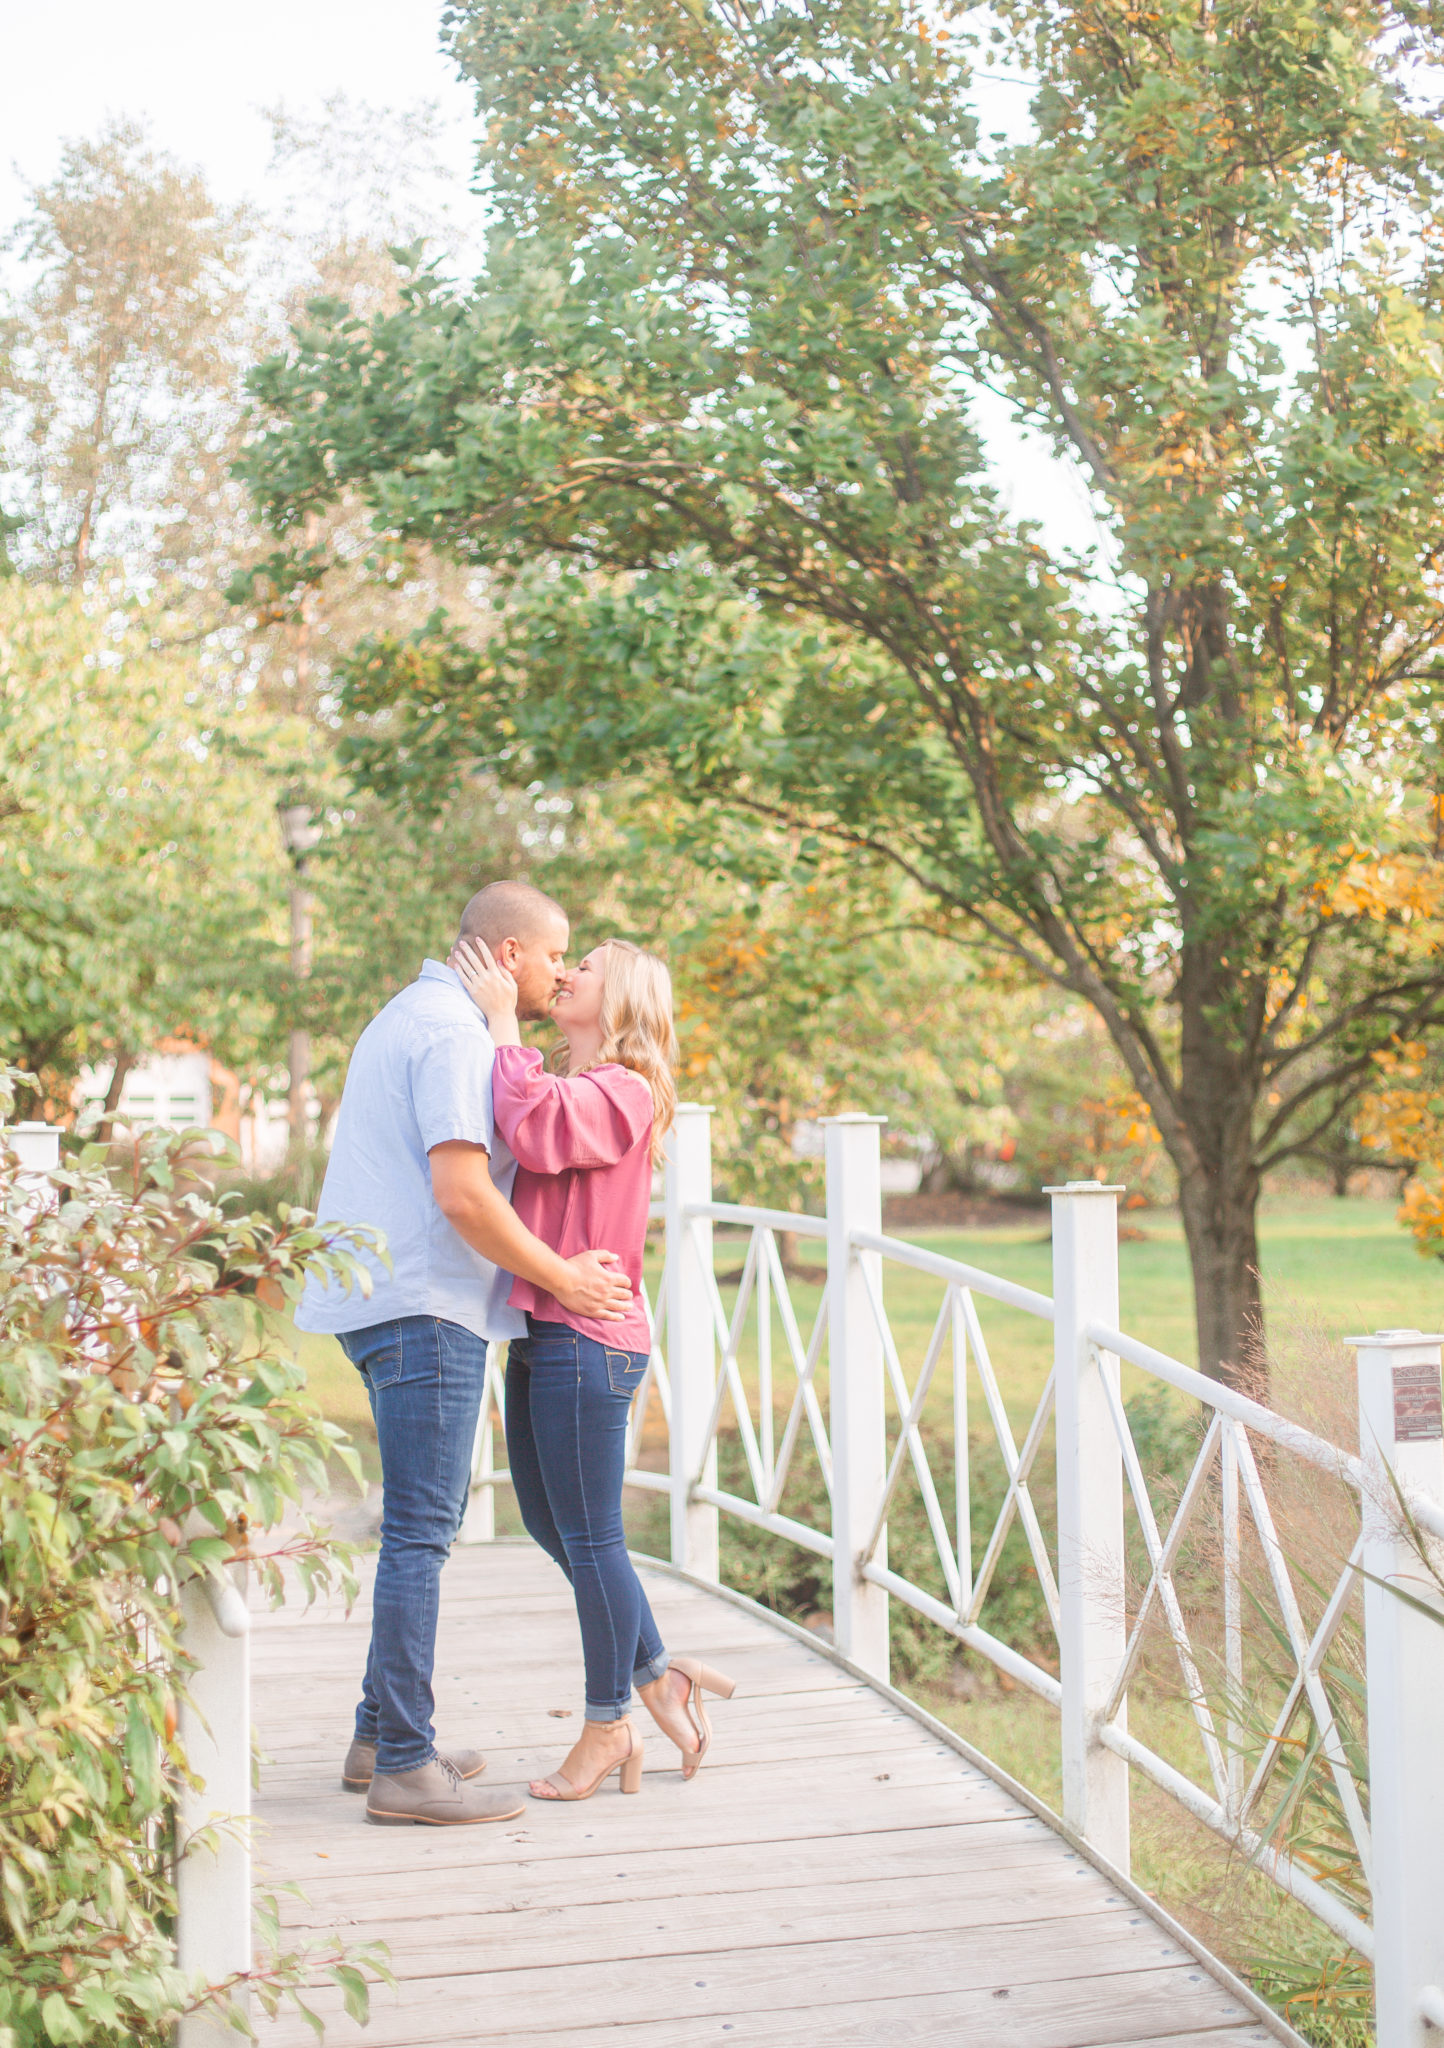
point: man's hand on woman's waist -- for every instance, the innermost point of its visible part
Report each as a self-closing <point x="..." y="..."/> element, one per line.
<point x="598" y="1287"/>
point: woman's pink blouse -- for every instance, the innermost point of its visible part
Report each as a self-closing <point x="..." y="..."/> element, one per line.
<point x="583" y="1149"/>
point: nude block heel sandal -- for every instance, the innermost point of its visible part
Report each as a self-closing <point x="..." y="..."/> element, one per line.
<point x="704" y="1680"/>
<point x="629" y="1766"/>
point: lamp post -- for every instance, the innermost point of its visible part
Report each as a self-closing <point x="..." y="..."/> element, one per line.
<point x="300" y="832"/>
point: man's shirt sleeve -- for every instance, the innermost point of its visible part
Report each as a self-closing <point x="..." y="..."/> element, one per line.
<point x="451" y="1087"/>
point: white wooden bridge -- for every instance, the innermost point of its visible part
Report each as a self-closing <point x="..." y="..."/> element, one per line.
<point x="844" y="1870"/>
<point x="837" y="1872"/>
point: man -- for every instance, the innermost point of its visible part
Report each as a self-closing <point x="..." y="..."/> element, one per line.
<point x="416" y="1157"/>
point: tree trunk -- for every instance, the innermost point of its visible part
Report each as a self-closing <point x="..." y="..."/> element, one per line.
<point x="1220" y="1223"/>
<point x="1218" y="1179"/>
<point x="124" y="1062"/>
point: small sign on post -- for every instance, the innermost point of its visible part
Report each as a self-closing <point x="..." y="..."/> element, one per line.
<point x="1418" y="1408"/>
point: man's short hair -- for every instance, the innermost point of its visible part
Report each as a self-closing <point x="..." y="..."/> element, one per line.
<point x="508" y="910"/>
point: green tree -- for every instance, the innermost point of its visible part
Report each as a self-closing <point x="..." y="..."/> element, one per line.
<point x="141" y="875"/>
<point x="137" y="302"/>
<point x="713" y="399"/>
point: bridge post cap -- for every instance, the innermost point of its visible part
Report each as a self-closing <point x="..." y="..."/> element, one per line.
<point x="1089" y="1187"/>
<point x="852" y="1116"/>
<point x="1397" y="1340"/>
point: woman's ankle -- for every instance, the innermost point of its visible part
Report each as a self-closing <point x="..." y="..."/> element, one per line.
<point x="604" y="1729"/>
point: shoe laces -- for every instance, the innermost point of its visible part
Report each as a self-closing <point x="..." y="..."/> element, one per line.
<point x="451" y="1771"/>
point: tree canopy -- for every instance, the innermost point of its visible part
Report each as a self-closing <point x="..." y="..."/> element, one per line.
<point x="710" y="416"/>
<point x="140" y="869"/>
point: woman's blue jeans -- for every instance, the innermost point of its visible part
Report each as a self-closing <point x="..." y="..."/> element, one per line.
<point x="424" y="1380"/>
<point x="567" y="1398"/>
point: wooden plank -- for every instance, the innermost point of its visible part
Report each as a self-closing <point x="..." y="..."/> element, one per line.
<point x="512" y="1936"/>
<point x="903" y="1856"/>
<point x="1248" y="2034"/>
<point x="930" y="2020"/>
<point x="614" y="1832"/>
<point x="840" y="1748"/>
<point x="379" y="1851"/>
<point x="831" y="1848"/>
<point x="686" y="1819"/>
<point x="820" y="1993"/>
<point x="552" y="1656"/>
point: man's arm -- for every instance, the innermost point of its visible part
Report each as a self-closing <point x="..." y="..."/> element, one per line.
<point x="477" y="1211"/>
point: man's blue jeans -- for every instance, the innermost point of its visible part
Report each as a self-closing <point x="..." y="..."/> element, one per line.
<point x="424" y="1380"/>
<point x="567" y="1399"/>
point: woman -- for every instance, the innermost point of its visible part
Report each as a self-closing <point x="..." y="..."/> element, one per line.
<point x="585" y="1142"/>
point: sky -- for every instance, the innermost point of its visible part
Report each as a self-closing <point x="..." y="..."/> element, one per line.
<point x="200" y="74"/>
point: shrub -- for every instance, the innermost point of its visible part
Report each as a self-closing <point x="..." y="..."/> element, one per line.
<point x="149" y="1430"/>
<point x="295" y="1182"/>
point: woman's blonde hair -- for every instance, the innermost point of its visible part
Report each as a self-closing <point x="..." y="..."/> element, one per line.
<point x="637" y="1028"/>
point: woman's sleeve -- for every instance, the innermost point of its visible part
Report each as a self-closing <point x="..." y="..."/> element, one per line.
<point x="551" y="1121"/>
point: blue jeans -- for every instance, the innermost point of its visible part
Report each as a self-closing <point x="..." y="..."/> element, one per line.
<point x="424" y="1380"/>
<point x="567" y="1398"/>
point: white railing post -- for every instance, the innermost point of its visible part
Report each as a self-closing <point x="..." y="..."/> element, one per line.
<point x="478" y="1524"/>
<point x="691" y="1342"/>
<point x="1092" y="1607"/>
<point x="213" y="1884"/>
<point x="857" y="1401"/>
<point x="36" y="1146"/>
<point x="1401" y="1430"/>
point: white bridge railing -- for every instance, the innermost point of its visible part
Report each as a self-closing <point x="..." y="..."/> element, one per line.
<point x="842" y="1386"/>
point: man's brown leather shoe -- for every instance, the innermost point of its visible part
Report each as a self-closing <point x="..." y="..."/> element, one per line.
<point x="435" y="1795"/>
<point x="360" y="1765"/>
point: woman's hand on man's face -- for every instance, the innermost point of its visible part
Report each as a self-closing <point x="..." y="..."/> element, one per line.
<point x="488" y="984"/>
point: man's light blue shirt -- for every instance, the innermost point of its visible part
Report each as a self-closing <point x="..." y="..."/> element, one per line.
<point x="420" y="1074"/>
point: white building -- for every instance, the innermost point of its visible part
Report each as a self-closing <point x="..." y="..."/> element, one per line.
<point x="184" y="1088"/>
<point x="171" y="1089"/>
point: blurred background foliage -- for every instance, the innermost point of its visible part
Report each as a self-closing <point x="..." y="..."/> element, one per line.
<point x="149" y="731"/>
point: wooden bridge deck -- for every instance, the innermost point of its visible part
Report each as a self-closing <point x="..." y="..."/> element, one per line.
<point x="836" y="1874"/>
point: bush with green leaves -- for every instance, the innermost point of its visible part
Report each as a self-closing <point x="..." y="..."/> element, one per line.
<point x="151" y="1428"/>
